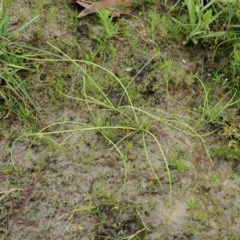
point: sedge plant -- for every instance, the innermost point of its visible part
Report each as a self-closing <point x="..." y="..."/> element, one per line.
<point x="199" y="18"/>
<point x="122" y="119"/>
<point x="131" y="120"/>
<point x="210" y="112"/>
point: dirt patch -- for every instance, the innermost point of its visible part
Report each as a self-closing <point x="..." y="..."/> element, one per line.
<point x="111" y="170"/>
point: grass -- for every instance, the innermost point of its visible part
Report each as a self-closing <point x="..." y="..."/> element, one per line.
<point x="212" y="113"/>
<point x="5" y="30"/>
<point x="104" y="86"/>
<point x="117" y="123"/>
<point x="13" y="57"/>
<point x="14" y="90"/>
<point x="203" y="21"/>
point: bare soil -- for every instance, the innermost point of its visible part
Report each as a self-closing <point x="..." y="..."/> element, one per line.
<point x="83" y="189"/>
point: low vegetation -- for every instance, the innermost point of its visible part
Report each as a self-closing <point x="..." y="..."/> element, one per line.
<point x="120" y="127"/>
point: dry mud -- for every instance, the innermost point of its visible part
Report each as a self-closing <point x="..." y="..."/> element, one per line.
<point x="87" y="191"/>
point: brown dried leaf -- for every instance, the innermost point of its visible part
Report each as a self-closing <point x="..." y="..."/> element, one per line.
<point x="83" y="4"/>
<point x="118" y="13"/>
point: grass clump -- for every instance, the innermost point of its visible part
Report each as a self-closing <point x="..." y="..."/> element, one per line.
<point x="13" y="57"/>
<point x="211" y="113"/>
<point x="114" y="113"/>
<point x="197" y="22"/>
<point x="117" y="121"/>
<point x="214" y="25"/>
<point x="206" y="21"/>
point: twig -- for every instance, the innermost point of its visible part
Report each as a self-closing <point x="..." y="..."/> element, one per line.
<point x="20" y="210"/>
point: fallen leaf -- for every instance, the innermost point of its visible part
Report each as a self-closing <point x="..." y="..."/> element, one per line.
<point x="118" y="13"/>
<point x="84" y="4"/>
<point x="99" y="5"/>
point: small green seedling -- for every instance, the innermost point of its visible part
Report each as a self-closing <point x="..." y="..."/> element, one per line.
<point x="110" y="29"/>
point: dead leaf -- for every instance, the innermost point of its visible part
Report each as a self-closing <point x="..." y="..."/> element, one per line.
<point x="118" y="13"/>
<point x="99" y="5"/>
<point x="84" y="4"/>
